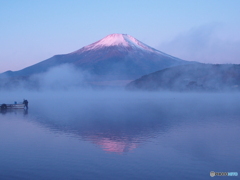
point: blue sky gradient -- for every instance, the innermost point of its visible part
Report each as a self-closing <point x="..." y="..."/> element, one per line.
<point x="32" y="31"/>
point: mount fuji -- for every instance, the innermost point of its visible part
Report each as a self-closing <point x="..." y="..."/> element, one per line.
<point x="115" y="57"/>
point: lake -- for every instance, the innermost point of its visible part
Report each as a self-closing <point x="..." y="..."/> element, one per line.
<point x="119" y="135"/>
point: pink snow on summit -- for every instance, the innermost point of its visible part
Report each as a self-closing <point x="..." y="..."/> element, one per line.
<point x="121" y="45"/>
<point x="113" y="40"/>
<point x="123" y="40"/>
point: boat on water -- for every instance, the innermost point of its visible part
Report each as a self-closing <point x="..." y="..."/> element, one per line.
<point x="15" y="105"/>
<point x="12" y="106"/>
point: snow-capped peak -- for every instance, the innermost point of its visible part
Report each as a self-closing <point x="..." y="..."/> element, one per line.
<point x="124" y="40"/>
<point x="112" y="40"/>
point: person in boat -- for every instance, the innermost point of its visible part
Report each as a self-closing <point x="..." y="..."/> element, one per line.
<point x="25" y="102"/>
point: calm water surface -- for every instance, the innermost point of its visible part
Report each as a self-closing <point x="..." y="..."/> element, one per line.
<point x="118" y="135"/>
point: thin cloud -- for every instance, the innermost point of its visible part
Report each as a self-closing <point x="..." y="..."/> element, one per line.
<point x="204" y="44"/>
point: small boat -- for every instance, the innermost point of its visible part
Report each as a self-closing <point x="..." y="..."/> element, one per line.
<point x="23" y="105"/>
<point x="12" y="106"/>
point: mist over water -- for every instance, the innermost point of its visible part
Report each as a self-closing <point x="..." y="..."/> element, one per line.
<point x="116" y="134"/>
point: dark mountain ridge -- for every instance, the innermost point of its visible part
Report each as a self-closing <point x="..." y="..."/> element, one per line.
<point x="191" y="77"/>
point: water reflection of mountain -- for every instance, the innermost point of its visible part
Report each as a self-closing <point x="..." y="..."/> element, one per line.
<point x="113" y="135"/>
<point x="120" y="125"/>
<point x="116" y="130"/>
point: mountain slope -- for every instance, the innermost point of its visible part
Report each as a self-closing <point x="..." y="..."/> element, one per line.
<point x="192" y="77"/>
<point x="115" y="57"/>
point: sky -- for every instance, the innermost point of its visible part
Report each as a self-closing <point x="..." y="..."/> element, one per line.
<point x="32" y="31"/>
